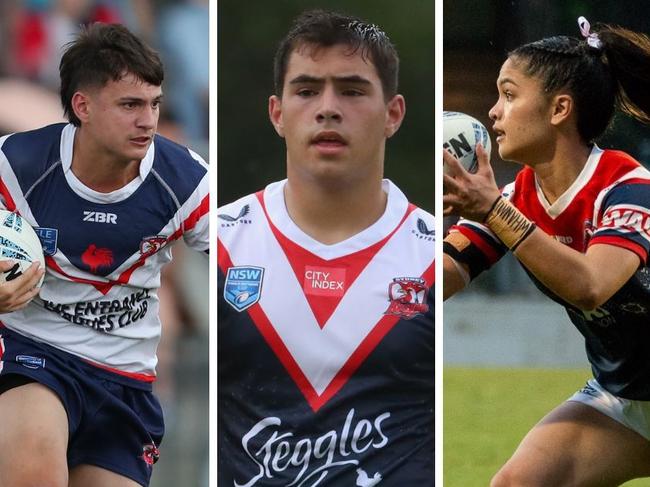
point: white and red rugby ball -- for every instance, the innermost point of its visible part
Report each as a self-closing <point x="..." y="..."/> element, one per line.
<point x="460" y="135"/>
<point x="18" y="243"/>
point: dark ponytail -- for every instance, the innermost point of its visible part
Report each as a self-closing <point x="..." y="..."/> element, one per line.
<point x="616" y="73"/>
<point x="628" y="56"/>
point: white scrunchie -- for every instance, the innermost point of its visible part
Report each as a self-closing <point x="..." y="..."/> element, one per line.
<point x="592" y="37"/>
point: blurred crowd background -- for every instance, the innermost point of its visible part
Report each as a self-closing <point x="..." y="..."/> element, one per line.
<point x="251" y="154"/>
<point x="32" y="35"/>
<point x="477" y="37"/>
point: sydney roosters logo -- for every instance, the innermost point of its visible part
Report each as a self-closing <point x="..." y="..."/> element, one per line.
<point x="151" y="245"/>
<point x="95" y="257"/>
<point x="150" y="454"/>
<point x="407" y="297"/>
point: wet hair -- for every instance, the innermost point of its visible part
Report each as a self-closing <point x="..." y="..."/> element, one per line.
<point x="101" y="53"/>
<point x="321" y="28"/>
<point x="614" y="75"/>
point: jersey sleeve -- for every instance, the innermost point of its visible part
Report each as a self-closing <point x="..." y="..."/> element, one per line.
<point x="474" y="244"/>
<point x="624" y="219"/>
<point x="196" y="226"/>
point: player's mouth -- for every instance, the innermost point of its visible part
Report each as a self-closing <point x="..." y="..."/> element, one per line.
<point x="142" y="141"/>
<point x="329" y="142"/>
<point x="499" y="133"/>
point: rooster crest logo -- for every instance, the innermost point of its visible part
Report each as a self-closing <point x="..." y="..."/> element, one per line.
<point x="95" y="257"/>
<point x="363" y="480"/>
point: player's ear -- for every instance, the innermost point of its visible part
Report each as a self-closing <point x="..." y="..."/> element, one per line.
<point x="395" y="111"/>
<point x="81" y="106"/>
<point x="275" y="114"/>
<point x="561" y="108"/>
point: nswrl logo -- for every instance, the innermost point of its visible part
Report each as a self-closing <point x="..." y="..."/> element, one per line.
<point x="243" y="286"/>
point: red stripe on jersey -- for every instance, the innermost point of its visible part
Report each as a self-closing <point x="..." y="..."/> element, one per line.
<point x="130" y="375"/>
<point x="2" y="350"/>
<point x="271" y="337"/>
<point x="9" y="201"/>
<point x="193" y="218"/>
<point x="488" y="251"/>
<point x="369" y="343"/>
<point x="349" y="265"/>
<point x="621" y="242"/>
<point x="376" y="335"/>
<point x="104" y="287"/>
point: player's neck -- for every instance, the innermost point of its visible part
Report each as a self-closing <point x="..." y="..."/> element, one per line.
<point x="556" y="175"/>
<point x="99" y="170"/>
<point x="332" y="214"/>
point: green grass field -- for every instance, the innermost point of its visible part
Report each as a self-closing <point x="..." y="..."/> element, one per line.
<point x="488" y="411"/>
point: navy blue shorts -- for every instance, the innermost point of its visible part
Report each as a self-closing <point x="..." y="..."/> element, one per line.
<point x="115" y="422"/>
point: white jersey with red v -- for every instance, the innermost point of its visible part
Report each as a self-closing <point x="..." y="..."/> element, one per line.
<point x="325" y="337"/>
<point x="104" y="251"/>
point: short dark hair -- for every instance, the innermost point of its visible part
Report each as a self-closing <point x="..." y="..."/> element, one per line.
<point x="325" y="29"/>
<point x="600" y="79"/>
<point x="101" y="53"/>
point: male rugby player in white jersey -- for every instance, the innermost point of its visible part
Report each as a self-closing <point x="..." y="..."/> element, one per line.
<point x="326" y="283"/>
<point x="107" y="196"/>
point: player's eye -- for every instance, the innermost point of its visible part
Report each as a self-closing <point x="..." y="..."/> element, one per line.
<point x="156" y="104"/>
<point x="305" y="92"/>
<point x="353" y="92"/>
<point x="129" y="105"/>
<point x="507" y="95"/>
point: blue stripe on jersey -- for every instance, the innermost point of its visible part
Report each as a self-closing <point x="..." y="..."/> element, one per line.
<point x="31" y="153"/>
<point x="626" y="214"/>
<point x="174" y="164"/>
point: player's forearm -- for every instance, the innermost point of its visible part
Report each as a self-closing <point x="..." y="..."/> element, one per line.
<point x="586" y="281"/>
<point x="453" y="279"/>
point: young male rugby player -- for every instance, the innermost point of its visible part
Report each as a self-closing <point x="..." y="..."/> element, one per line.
<point x="108" y="196"/>
<point x="326" y="283"/>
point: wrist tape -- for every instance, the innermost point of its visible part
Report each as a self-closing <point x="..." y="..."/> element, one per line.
<point x="508" y="223"/>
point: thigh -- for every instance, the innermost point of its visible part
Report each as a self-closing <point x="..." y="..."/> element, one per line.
<point x="34" y="437"/>
<point x="85" y="475"/>
<point x="578" y="446"/>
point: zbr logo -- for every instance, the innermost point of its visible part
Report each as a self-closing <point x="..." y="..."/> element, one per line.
<point x="243" y="286"/>
<point x="407" y="297"/>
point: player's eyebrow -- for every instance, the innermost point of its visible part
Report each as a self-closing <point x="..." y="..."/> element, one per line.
<point x="503" y="81"/>
<point x="134" y="99"/>
<point x="307" y="79"/>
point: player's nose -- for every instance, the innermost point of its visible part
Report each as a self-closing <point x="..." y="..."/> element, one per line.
<point x="329" y="107"/>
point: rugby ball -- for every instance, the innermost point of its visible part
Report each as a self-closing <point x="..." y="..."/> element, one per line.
<point x="460" y="134"/>
<point x="18" y="243"/>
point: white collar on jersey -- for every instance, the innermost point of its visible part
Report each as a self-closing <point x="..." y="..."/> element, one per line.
<point x="67" y="143"/>
<point x="396" y="207"/>
<point x="562" y="203"/>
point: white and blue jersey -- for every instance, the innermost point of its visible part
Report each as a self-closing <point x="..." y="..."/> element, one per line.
<point x="326" y="352"/>
<point x="103" y="251"/>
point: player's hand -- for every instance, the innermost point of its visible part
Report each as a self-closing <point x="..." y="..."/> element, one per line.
<point x="17" y="293"/>
<point x="469" y="195"/>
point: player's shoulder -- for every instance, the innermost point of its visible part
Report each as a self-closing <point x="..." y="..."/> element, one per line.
<point x="35" y="149"/>
<point x="179" y="168"/>
<point x="172" y="154"/>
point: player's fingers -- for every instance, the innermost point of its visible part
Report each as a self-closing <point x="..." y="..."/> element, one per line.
<point x="454" y="167"/>
<point x="16" y="286"/>
<point x="450" y="184"/>
<point x="22" y="300"/>
<point x="6" y="265"/>
<point x="483" y="159"/>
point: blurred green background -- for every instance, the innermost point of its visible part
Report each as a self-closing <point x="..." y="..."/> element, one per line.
<point x="251" y="155"/>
